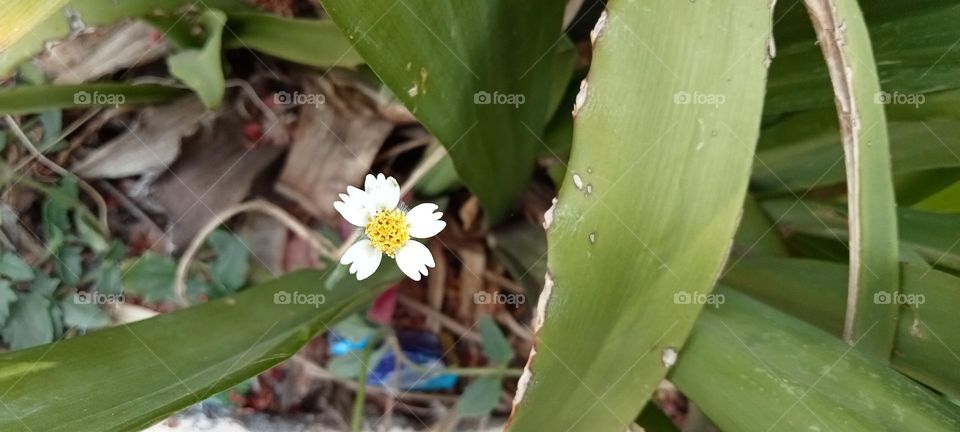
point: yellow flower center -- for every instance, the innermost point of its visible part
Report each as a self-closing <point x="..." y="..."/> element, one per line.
<point x="388" y="231"/>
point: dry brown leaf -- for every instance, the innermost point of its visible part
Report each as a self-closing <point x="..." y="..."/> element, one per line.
<point x="103" y="51"/>
<point x="333" y="146"/>
<point x="149" y="146"/>
<point x="216" y="171"/>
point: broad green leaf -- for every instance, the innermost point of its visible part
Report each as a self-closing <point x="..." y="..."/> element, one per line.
<point x="946" y="200"/>
<point x="495" y="345"/>
<point x="311" y="42"/>
<point x="19" y="17"/>
<point x="927" y="340"/>
<point x="814" y="292"/>
<point x="803" y="152"/>
<point x="476" y="74"/>
<point x="932" y="235"/>
<point x="480" y="397"/>
<point x="649" y="205"/>
<point x="200" y="68"/>
<point x="914" y="46"/>
<point x="756" y="233"/>
<point x="39" y="98"/>
<point x="150" y="276"/>
<point x="842" y="33"/>
<point x="750" y="367"/>
<point x="232" y="265"/>
<point x="15" y="268"/>
<point x="151" y="373"/>
<point x="83" y="15"/>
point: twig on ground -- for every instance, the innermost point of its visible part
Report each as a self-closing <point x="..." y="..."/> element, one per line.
<point x="97" y="199"/>
<point x="444" y="320"/>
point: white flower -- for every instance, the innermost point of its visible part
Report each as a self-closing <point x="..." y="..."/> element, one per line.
<point x="387" y="229"/>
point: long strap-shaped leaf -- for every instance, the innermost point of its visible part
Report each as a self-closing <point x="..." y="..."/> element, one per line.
<point x="750" y="367"/>
<point x="663" y="142"/>
<point x="478" y="74"/>
<point x="812" y="290"/>
<point x="129" y="377"/>
<point x="873" y="225"/>
<point x="19" y="17"/>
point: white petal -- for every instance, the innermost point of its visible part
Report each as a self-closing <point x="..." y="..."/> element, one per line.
<point x="363" y="259"/>
<point x="424" y="222"/>
<point x="355" y="206"/>
<point x="414" y="258"/>
<point x="384" y="191"/>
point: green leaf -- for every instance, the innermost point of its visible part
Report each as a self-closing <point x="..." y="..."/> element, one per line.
<point x="649" y="205"/>
<point x="15" y="268"/>
<point x="200" y="69"/>
<point x="495" y="345"/>
<point x="750" y="367"/>
<point x="89" y="235"/>
<point x="802" y="152"/>
<point x="907" y="65"/>
<point x="152" y="373"/>
<point x="870" y="196"/>
<point x="39" y="98"/>
<point x="442" y="61"/>
<point x="350" y="365"/>
<point x="21" y="16"/>
<point x="232" y="265"/>
<point x="108" y="280"/>
<point x="7" y="296"/>
<point x="814" y="292"/>
<point x="480" y="397"/>
<point x="307" y="41"/>
<point x="29" y="323"/>
<point x="151" y="276"/>
<point x="69" y="265"/>
<point x="84" y="316"/>
<point x="932" y="235"/>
